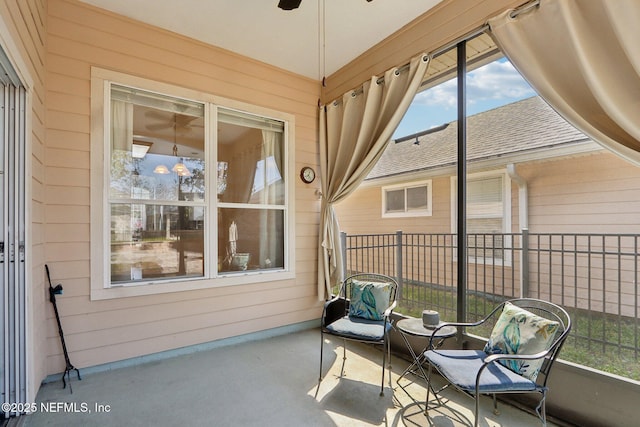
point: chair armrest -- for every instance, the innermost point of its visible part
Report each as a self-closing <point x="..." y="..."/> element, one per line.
<point x="457" y="325"/>
<point x="334" y="309"/>
<point x="390" y="309"/>
<point x="464" y="324"/>
<point x="495" y="357"/>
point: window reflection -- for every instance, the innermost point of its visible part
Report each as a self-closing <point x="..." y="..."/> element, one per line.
<point x="156" y="241"/>
<point x="158" y="182"/>
<point x="254" y="235"/>
<point x="252" y="150"/>
<point x="267" y="173"/>
<point x="251" y="215"/>
<point x="157" y="186"/>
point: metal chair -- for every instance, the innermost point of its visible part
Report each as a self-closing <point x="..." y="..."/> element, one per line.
<point x="508" y="363"/>
<point x="360" y="312"/>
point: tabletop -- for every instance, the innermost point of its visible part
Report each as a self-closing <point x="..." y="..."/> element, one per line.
<point x="414" y="326"/>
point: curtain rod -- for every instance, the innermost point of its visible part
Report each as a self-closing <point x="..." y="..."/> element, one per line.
<point x="484" y="28"/>
<point x="439" y="51"/>
<point x="379" y="80"/>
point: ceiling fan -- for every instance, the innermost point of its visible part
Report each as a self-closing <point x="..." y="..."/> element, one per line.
<point x="289" y="4"/>
<point x="180" y="121"/>
<point x="292" y="4"/>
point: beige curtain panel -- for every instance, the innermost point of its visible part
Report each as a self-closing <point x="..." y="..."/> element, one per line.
<point x="583" y="58"/>
<point x="354" y="132"/>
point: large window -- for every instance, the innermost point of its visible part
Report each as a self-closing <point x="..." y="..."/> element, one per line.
<point x="194" y="192"/>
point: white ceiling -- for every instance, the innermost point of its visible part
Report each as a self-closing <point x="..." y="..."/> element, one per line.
<point x="291" y="40"/>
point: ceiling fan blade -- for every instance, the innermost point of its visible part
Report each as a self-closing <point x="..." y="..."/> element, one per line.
<point x="158" y="115"/>
<point x="289" y="4"/>
<point x="159" y="126"/>
<point x="184" y="121"/>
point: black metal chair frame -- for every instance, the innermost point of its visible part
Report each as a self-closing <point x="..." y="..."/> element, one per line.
<point x="541" y="308"/>
<point x="338" y="308"/>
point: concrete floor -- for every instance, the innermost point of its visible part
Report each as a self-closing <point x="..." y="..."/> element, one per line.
<point x="269" y="382"/>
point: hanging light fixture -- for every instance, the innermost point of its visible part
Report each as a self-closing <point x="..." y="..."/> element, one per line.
<point x="161" y="169"/>
<point x="179" y="168"/>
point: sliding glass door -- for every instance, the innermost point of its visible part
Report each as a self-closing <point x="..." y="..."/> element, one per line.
<point x="12" y="243"/>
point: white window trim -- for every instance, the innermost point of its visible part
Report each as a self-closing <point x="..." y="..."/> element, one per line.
<point x="405" y="186"/>
<point x="506" y="214"/>
<point x="100" y="262"/>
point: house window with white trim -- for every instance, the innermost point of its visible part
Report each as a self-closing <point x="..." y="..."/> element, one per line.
<point x="188" y="193"/>
<point x="407" y="200"/>
<point x="488" y="213"/>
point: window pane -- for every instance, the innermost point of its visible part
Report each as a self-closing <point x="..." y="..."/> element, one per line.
<point x="484" y="197"/>
<point x="485" y="238"/>
<point x="157" y="147"/>
<point x="156" y="241"/>
<point x="417" y="198"/>
<point x="250" y="159"/>
<point x="395" y="200"/>
<point x="250" y="239"/>
<point x="484" y="225"/>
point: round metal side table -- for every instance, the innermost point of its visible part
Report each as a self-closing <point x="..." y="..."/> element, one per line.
<point x="414" y="327"/>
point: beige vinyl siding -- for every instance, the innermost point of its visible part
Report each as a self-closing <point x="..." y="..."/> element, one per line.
<point x="599" y="193"/>
<point x="81" y="36"/>
<point x="361" y="213"/>
<point x="23" y="38"/>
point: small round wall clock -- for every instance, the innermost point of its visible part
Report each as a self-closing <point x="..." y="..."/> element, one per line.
<point x="307" y="175"/>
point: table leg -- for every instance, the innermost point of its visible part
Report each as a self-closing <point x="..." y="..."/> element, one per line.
<point x="416" y="369"/>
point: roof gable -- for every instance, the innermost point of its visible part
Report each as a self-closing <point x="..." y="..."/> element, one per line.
<point x="521" y="127"/>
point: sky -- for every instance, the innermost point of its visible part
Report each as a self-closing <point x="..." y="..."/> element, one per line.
<point x="491" y="86"/>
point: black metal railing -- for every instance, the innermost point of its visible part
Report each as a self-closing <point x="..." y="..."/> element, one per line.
<point x="594" y="276"/>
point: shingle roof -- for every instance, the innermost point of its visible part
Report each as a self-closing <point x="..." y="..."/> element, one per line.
<point x="523" y="126"/>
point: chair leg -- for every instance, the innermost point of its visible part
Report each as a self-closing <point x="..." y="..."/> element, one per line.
<point x="384" y="361"/>
<point x="389" y="367"/>
<point x="321" y="351"/>
<point x="426" y="402"/>
<point x="477" y="411"/>
<point x="541" y="408"/>
<point x="344" y="357"/>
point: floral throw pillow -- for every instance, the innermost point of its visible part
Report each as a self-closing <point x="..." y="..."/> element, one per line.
<point x="519" y="331"/>
<point x="369" y="300"/>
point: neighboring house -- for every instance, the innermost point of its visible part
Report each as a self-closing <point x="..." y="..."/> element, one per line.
<point x="522" y="174"/>
<point x="520" y="149"/>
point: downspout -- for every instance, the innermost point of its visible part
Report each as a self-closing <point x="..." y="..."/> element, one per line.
<point x="523" y="220"/>
<point x="523" y="198"/>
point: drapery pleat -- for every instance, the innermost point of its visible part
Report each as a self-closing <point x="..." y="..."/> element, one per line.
<point x="583" y="58"/>
<point x="353" y="135"/>
<point x="122" y="125"/>
<point x="269" y="220"/>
